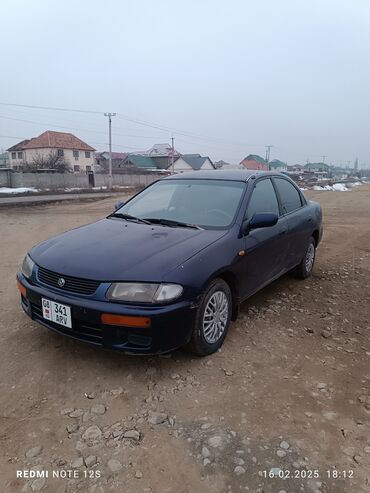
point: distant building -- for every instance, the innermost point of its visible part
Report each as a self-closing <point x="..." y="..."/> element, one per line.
<point x="78" y="154"/>
<point x="192" y="162"/>
<point x="339" y="173"/>
<point x="296" y="168"/>
<point x="221" y="164"/>
<point x="4" y="160"/>
<point x="317" y="167"/>
<point x="138" y="161"/>
<point x="162" y="154"/>
<point x="277" y="165"/>
<point x="319" y="170"/>
<point x="253" y="161"/>
<point x="102" y="160"/>
<point x="16" y="155"/>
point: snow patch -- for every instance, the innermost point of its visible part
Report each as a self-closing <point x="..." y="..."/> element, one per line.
<point x="17" y="190"/>
<point x="339" y="187"/>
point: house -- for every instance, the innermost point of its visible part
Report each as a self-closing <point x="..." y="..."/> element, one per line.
<point x="296" y="169"/>
<point x="277" y="165"/>
<point x="319" y="170"/>
<point x="78" y="154"/>
<point x="192" y="162"/>
<point x="102" y="160"/>
<point x="221" y="164"/>
<point x="162" y="154"/>
<point x="253" y="161"/>
<point x="340" y="173"/>
<point x="227" y="166"/>
<point x="16" y="156"/>
<point x="4" y="160"/>
<point x="137" y="161"/>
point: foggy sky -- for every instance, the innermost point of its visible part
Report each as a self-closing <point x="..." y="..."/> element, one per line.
<point x="225" y="77"/>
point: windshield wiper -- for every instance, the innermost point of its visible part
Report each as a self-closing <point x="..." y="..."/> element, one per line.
<point x="171" y="223"/>
<point x="128" y="217"/>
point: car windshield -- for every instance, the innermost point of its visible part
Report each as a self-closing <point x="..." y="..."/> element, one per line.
<point x="210" y="204"/>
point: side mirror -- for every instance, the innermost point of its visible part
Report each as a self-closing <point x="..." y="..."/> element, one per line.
<point x="260" y="220"/>
<point x="117" y="205"/>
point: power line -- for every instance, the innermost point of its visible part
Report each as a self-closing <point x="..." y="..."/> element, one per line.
<point x="74" y="128"/>
<point x="129" y="119"/>
<point x="52" y="108"/>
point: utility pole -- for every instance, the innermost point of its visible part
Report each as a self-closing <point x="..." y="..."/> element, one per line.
<point x="268" y="148"/>
<point x="173" y="154"/>
<point x="110" y="176"/>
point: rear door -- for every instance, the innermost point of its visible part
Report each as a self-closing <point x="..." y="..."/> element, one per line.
<point x="294" y="209"/>
<point x="265" y="247"/>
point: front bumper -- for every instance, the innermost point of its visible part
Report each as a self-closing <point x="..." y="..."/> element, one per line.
<point x="171" y="325"/>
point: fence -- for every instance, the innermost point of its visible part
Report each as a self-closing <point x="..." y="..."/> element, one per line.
<point x="60" y="181"/>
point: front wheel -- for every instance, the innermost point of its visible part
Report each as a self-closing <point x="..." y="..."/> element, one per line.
<point x="212" y="319"/>
<point x="304" y="269"/>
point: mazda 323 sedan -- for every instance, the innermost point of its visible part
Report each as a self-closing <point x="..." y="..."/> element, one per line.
<point x="170" y="267"/>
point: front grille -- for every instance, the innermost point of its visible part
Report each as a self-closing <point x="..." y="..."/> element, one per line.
<point x="80" y="330"/>
<point x="72" y="284"/>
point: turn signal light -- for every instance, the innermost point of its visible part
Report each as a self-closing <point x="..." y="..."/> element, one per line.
<point x="125" y="320"/>
<point x="22" y="289"/>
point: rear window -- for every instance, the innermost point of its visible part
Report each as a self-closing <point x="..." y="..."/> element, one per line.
<point x="289" y="196"/>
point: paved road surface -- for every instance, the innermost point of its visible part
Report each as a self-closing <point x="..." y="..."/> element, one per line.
<point x="48" y="199"/>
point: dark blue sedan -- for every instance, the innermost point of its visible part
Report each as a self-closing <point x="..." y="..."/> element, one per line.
<point x="171" y="266"/>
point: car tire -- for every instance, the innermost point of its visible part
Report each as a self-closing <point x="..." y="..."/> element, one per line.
<point x="305" y="268"/>
<point x="212" y="319"/>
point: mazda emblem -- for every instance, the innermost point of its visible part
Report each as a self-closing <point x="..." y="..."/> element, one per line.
<point x="61" y="282"/>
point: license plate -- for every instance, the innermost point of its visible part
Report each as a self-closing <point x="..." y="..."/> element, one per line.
<point x="56" y="312"/>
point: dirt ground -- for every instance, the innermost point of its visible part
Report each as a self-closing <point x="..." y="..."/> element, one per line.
<point x="288" y="394"/>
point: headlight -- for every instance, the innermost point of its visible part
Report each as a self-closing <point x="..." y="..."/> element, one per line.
<point x="144" y="292"/>
<point x="27" y="266"/>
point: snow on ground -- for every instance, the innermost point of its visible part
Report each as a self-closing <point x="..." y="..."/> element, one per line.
<point x="17" y="190"/>
<point x="337" y="187"/>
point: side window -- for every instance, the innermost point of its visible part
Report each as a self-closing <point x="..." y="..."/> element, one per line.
<point x="289" y="195"/>
<point x="263" y="199"/>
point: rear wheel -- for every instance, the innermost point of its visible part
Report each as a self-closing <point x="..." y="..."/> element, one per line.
<point x="212" y="319"/>
<point x="304" y="269"/>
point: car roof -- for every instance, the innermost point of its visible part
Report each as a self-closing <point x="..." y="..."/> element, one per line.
<point x="232" y="174"/>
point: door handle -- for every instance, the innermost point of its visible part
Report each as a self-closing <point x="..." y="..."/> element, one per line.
<point x="283" y="232"/>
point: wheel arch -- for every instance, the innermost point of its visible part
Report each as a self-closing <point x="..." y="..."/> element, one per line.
<point x="316" y="236"/>
<point x="231" y="280"/>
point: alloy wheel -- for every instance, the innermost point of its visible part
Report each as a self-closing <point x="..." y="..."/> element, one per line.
<point x="310" y="257"/>
<point x="215" y="317"/>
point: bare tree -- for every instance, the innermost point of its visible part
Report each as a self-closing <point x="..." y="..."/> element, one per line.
<point x="51" y="161"/>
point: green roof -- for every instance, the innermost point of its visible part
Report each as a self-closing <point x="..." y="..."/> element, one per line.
<point x="141" y="161"/>
<point x="276" y="163"/>
<point x="317" y="166"/>
<point x="255" y="157"/>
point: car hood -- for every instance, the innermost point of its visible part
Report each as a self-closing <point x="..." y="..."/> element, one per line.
<point x="118" y="250"/>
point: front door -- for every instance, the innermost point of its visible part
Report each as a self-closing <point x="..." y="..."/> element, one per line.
<point x="265" y="247"/>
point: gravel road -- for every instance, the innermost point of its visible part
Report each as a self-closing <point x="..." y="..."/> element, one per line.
<point x="288" y="395"/>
